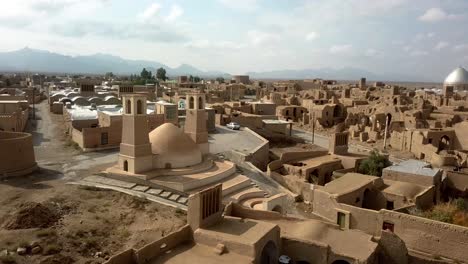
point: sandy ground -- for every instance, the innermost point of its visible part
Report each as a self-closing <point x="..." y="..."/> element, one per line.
<point x="92" y="224"/>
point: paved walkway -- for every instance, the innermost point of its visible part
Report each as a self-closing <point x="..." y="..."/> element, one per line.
<point x="226" y="139"/>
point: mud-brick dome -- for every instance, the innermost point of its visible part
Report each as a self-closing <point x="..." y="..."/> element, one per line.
<point x="173" y="148"/>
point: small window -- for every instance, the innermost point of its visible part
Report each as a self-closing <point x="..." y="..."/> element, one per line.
<point x="125" y="165"/>
<point x="390" y="205"/>
<point x="341" y="220"/>
<point x="104" y="138"/>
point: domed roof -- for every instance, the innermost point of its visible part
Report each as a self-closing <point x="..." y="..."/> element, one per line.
<point x="458" y="76"/>
<point x="174" y="149"/>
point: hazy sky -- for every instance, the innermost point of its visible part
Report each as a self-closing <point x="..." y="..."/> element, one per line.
<point x="427" y="37"/>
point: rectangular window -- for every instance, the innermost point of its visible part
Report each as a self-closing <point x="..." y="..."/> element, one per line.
<point x="390" y="205"/>
<point x="341" y="220"/>
<point x="104" y="138"/>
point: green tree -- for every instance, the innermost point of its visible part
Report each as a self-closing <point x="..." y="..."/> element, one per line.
<point x="374" y="164"/>
<point x="220" y="79"/>
<point x="145" y="74"/>
<point x="196" y="79"/>
<point x="161" y="74"/>
<point x="109" y="75"/>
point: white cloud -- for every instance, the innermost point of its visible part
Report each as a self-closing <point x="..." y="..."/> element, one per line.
<point x="341" y="49"/>
<point x="259" y="38"/>
<point x="208" y="44"/>
<point x="418" y="53"/>
<point x="22" y="13"/>
<point x="461" y="47"/>
<point x="436" y="14"/>
<point x="150" y="13"/>
<point x="312" y="35"/>
<point x="372" y="53"/>
<point x="407" y="48"/>
<point x="441" y="45"/>
<point x="241" y="5"/>
<point x="176" y="12"/>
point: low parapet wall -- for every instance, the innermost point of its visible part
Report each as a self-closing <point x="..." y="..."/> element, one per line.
<point x="258" y="156"/>
<point x="434" y="237"/>
<point x="152" y="250"/>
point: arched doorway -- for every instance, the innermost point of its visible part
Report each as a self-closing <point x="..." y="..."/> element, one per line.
<point x="125" y="165"/>
<point x="200" y="103"/>
<point x="444" y="143"/>
<point x="129" y="107"/>
<point x="269" y="254"/>
<point x="139" y="107"/>
<point x="191" y="103"/>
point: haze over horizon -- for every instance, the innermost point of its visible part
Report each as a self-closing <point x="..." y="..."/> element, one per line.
<point x="420" y="38"/>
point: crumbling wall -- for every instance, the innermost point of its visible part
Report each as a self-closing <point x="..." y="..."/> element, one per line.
<point x="438" y="238"/>
<point x="125" y="257"/>
<point x="457" y="181"/>
<point x="154" y="249"/>
<point x="425" y="199"/>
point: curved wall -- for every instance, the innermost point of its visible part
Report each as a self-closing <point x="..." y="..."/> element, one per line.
<point x="16" y="154"/>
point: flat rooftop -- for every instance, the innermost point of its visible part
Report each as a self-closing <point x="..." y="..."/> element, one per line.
<point x="416" y="167"/>
<point x="405" y="189"/>
<point x="347" y="183"/>
<point x="353" y="243"/>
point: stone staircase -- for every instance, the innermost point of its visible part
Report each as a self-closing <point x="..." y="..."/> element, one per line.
<point x="161" y="195"/>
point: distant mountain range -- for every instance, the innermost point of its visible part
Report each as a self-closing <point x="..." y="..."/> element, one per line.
<point x="32" y="60"/>
<point x="348" y="73"/>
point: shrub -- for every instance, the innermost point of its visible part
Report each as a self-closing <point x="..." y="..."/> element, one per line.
<point x="374" y="164"/>
<point x="52" y="249"/>
<point x="46" y="233"/>
<point x="460" y="203"/>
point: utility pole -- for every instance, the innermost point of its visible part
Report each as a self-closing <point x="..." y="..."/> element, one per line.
<point x="313" y="127"/>
<point x="387" y="121"/>
<point x="33" y="103"/>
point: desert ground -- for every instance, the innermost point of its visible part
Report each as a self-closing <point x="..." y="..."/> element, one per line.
<point x="52" y="221"/>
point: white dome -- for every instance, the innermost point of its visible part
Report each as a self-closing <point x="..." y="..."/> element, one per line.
<point x="458" y="76"/>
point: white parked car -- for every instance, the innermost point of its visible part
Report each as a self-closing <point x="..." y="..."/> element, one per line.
<point x="233" y="126"/>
